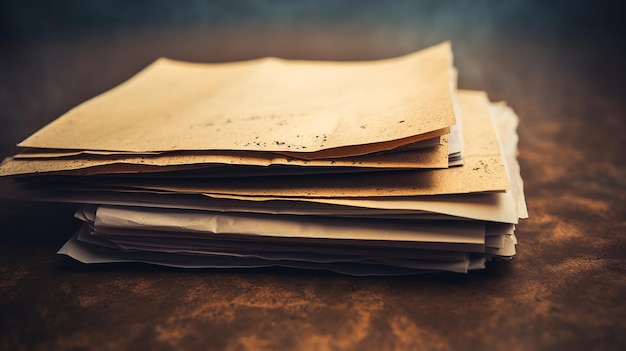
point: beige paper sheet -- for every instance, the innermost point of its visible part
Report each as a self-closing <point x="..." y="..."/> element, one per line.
<point x="433" y="157"/>
<point x="483" y="170"/>
<point x="208" y="224"/>
<point x="495" y="207"/>
<point x="265" y="105"/>
<point x="507" y="121"/>
<point x="34" y="153"/>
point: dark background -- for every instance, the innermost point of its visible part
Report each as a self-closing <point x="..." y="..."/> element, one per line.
<point x="77" y="49"/>
<point x="559" y="64"/>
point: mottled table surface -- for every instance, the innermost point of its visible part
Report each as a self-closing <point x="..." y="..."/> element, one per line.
<point x="566" y="288"/>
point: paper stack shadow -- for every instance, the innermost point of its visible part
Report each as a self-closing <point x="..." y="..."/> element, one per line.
<point x="364" y="168"/>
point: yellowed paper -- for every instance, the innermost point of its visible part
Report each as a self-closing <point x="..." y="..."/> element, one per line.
<point x="31" y="153"/>
<point x="35" y="154"/>
<point x="493" y="207"/>
<point x="433" y="157"/>
<point x="268" y="104"/>
<point x="483" y="170"/>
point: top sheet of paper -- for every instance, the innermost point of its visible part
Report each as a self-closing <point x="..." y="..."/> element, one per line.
<point x="265" y="105"/>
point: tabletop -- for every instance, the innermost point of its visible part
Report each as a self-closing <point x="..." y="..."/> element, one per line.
<point x="559" y="65"/>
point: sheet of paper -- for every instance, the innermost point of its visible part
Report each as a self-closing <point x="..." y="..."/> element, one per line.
<point x="506" y="120"/>
<point x="314" y="109"/>
<point x="87" y="253"/>
<point x="483" y="171"/>
<point x="207" y="223"/>
<point x="433" y="157"/>
<point x="33" y="153"/>
<point x="496" y="207"/>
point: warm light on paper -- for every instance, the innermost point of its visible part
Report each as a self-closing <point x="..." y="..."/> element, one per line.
<point x="483" y="170"/>
<point x="266" y="105"/>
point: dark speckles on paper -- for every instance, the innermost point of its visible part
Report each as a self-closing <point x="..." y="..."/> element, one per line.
<point x="482" y="166"/>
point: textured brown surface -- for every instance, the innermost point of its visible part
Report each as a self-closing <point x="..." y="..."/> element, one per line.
<point x="566" y="289"/>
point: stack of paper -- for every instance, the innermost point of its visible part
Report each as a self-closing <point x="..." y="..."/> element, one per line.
<point x="378" y="167"/>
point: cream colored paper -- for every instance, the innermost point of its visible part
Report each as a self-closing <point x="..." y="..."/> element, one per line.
<point x="507" y="121"/>
<point x="268" y="104"/>
<point x="496" y="207"/>
<point x="209" y="224"/>
<point x="198" y="243"/>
